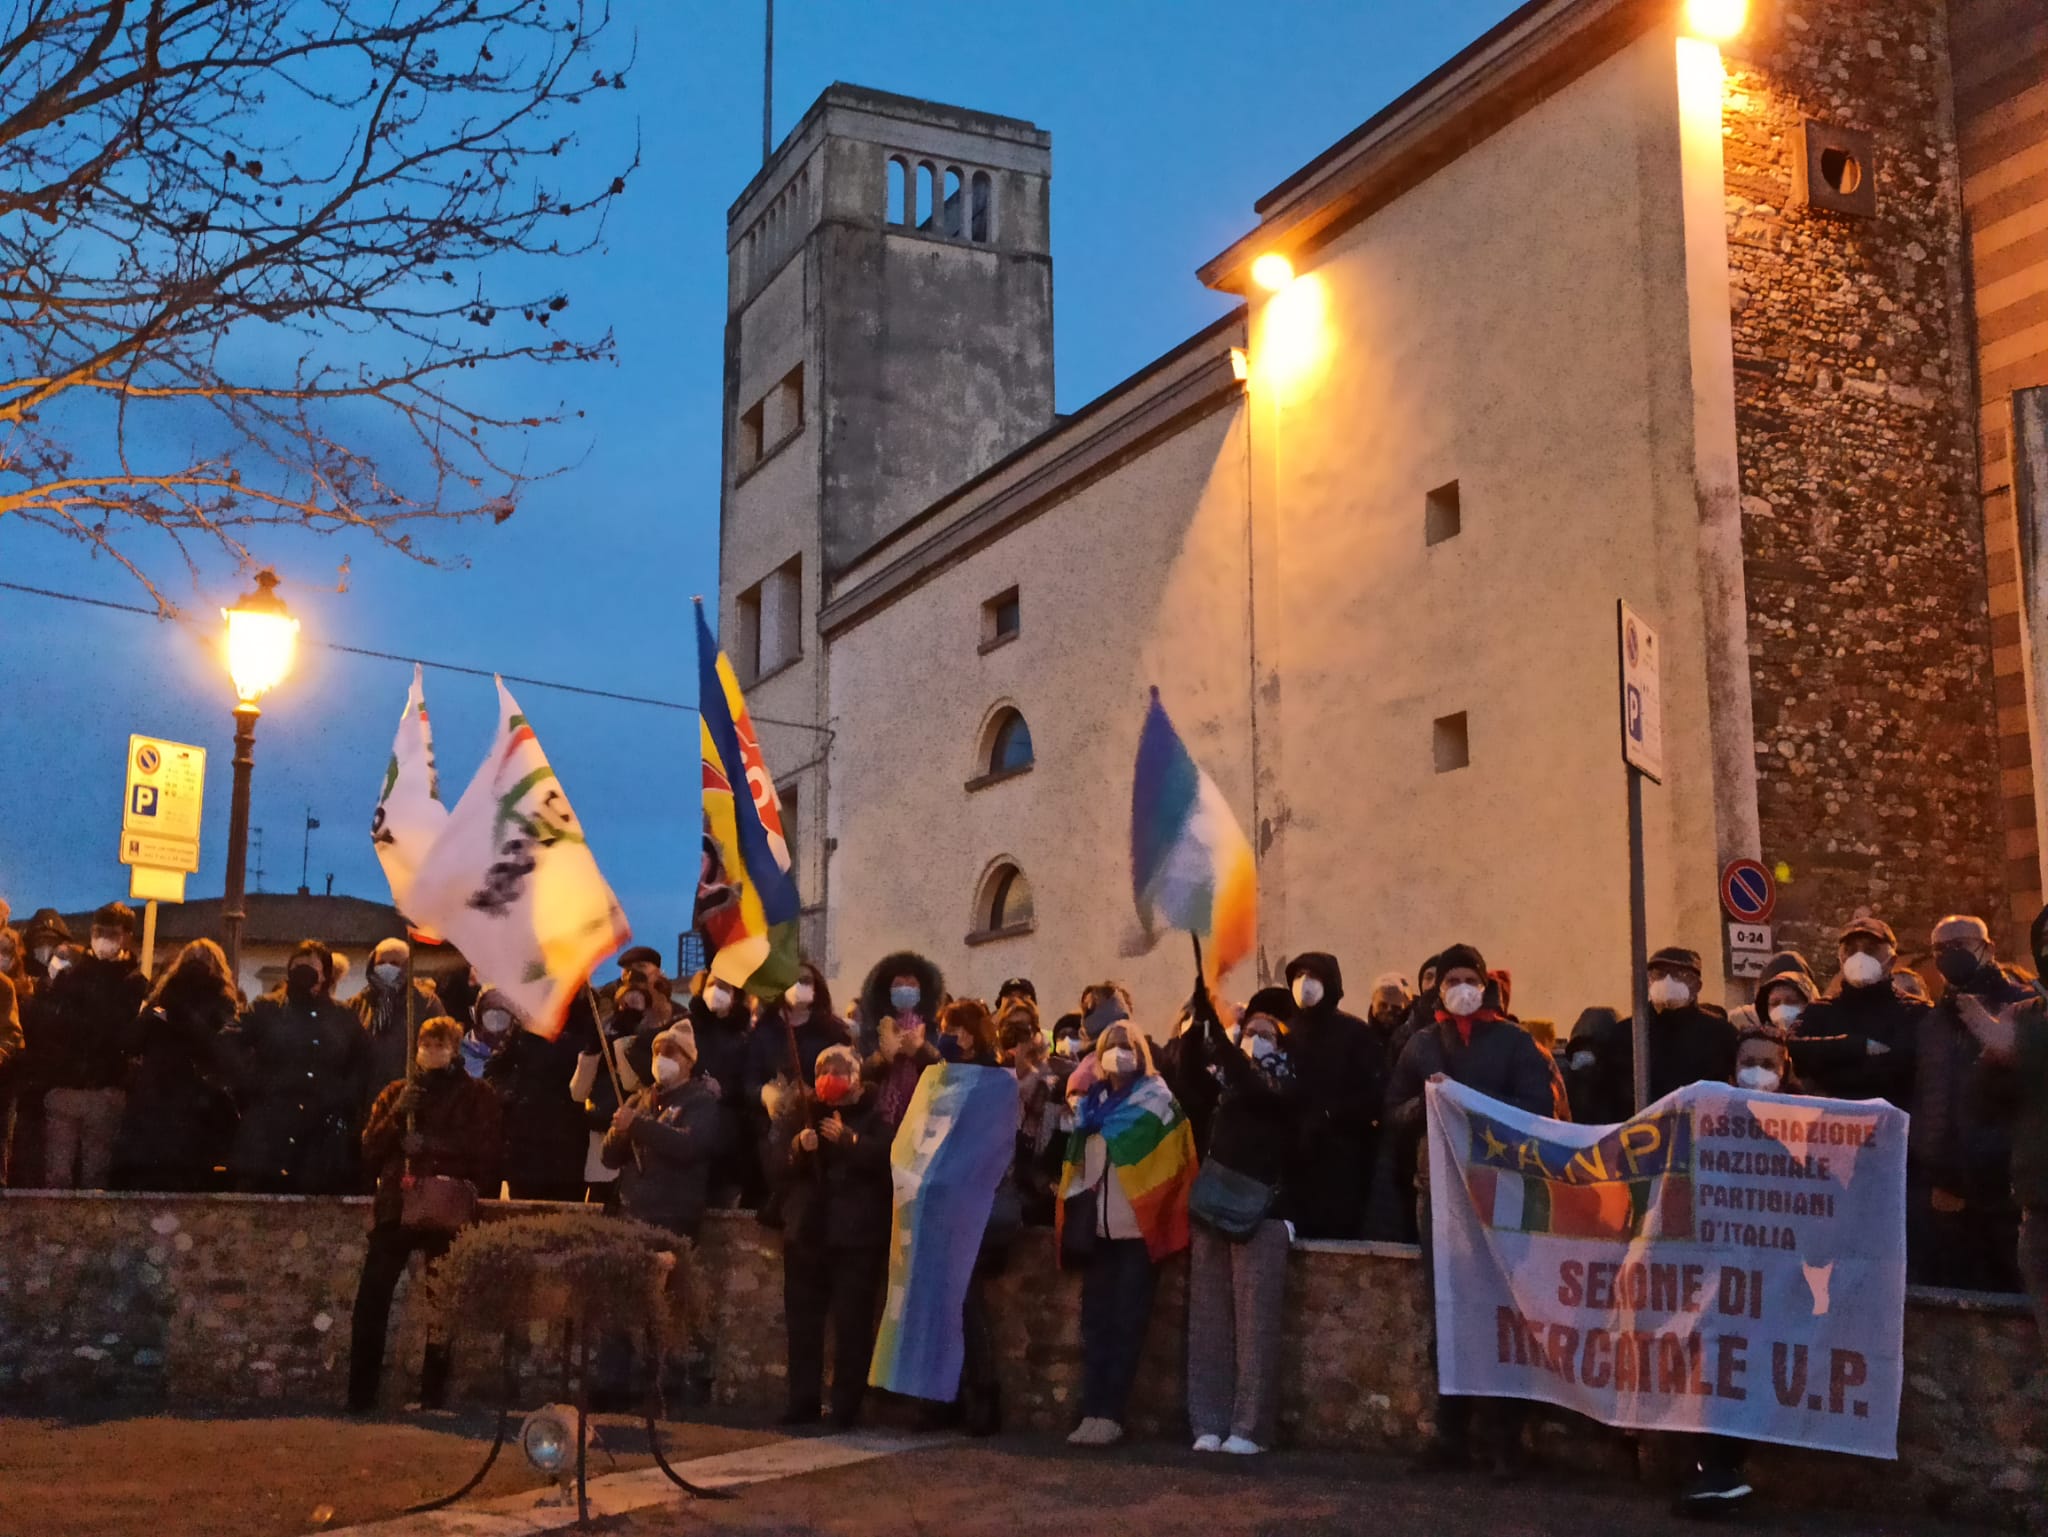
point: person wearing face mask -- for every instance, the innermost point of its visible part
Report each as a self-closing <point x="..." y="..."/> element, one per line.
<point x="377" y="1007"/>
<point x="179" y="1117"/>
<point x="1192" y="1085"/>
<point x="722" y="1018"/>
<point x="1343" y="1069"/>
<point x="1690" y="1041"/>
<point x="782" y="1053"/>
<point x="43" y="936"/>
<point x="87" y="1031"/>
<point x="902" y="994"/>
<point x="829" y="1153"/>
<point x="1962" y="1227"/>
<point x="667" y="1138"/>
<point x="1858" y="1042"/>
<point x="1041" y="1097"/>
<point x="1237" y="1282"/>
<point x="301" y="1063"/>
<point x="1473" y="1044"/>
<point x="1124" y="1117"/>
<point x="14" y="996"/>
<point x="437" y="1122"/>
<point x="535" y="1081"/>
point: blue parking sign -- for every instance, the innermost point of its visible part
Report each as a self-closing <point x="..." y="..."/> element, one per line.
<point x="145" y="801"/>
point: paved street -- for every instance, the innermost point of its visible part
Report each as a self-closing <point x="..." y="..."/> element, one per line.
<point x="278" y="1477"/>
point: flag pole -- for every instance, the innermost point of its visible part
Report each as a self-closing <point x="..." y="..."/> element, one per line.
<point x="604" y="1049"/>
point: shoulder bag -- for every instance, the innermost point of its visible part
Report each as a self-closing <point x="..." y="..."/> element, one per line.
<point x="1228" y="1202"/>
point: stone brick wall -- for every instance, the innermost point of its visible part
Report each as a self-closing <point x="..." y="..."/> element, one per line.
<point x="197" y="1303"/>
<point x="1877" y="756"/>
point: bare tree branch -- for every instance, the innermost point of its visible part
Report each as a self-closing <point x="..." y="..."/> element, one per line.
<point x="255" y="254"/>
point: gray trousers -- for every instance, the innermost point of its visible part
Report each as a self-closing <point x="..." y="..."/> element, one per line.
<point x="1235" y="1297"/>
<point x="2034" y="1264"/>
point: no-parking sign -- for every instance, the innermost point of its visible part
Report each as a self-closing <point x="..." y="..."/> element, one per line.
<point x="1748" y="891"/>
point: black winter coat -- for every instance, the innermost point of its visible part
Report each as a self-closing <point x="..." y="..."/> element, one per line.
<point x="1501" y="1062"/>
<point x="1951" y="1140"/>
<point x="85" y="1026"/>
<point x="723" y="1046"/>
<point x="1257" y="1121"/>
<point x="775" y="1051"/>
<point x="842" y="1195"/>
<point x="1832" y="1046"/>
<point x="1695" y="1044"/>
<point x="677" y="1136"/>
<point x="302" y="1069"/>
<point x="376" y="1009"/>
<point x="1184" y="1066"/>
<point x="547" y="1135"/>
<point x="1338" y="1059"/>
<point x="179" y="1117"/>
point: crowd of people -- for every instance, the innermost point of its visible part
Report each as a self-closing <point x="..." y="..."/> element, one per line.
<point x="665" y="1099"/>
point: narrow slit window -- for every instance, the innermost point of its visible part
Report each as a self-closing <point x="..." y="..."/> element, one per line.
<point x="927" y="196"/>
<point x="981" y="212"/>
<point x="1452" y="742"/>
<point x="1442" y="514"/>
<point x="956" y="198"/>
<point x="899" y="192"/>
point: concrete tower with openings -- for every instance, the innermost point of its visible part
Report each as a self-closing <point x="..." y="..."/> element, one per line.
<point x="888" y="338"/>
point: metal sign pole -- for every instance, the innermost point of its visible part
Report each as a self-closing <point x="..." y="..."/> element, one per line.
<point x="1638" y="940"/>
<point x="148" y="937"/>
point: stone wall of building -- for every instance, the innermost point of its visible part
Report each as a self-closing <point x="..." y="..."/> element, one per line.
<point x="194" y="1303"/>
<point x="1876" y="749"/>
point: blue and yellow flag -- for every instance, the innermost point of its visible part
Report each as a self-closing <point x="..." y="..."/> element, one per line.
<point x="746" y="899"/>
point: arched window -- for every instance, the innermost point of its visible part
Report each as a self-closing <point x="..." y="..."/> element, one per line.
<point x="899" y="191"/>
<point x="927" y="196"/>
<point x="981" y="216"/>
<point x="956" y="198"/>
<point x="1005" y="905"/>
<point x="1010" y="745"/>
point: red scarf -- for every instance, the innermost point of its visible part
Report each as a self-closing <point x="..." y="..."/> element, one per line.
<point x="1465" y="1023"/>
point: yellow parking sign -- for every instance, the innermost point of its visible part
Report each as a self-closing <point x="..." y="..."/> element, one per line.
<point x="161" y="804"/>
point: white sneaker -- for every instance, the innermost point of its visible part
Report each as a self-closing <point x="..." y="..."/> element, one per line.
<point x="1240" y="1446"/>
<point x="1096" y="1432"/>
<point x="1208" y="1443"/>
<point x="1083" y="1434"/>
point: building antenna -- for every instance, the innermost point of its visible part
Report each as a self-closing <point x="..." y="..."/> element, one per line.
<point x="768" y="88"/>
<point x="257" y="834"/>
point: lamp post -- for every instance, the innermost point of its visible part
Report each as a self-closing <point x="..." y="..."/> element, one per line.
<point x="262" y="635"/>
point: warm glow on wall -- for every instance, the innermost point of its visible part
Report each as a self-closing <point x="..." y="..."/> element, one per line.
<point x="1293" y="342"/>
<point x="1272" y="272"/>
<point x="1717" y="20"/>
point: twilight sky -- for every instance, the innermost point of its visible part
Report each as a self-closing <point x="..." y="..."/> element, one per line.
<point x="1168" y="120"/>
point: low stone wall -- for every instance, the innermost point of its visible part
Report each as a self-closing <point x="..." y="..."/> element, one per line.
<point x="190" y="1302"/>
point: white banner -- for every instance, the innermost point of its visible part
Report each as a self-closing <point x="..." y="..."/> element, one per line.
<point x="409" y="814"/>
<point x="1727" y="1261"/>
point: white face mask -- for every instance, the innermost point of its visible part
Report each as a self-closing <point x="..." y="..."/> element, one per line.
<point x="1259" y="1048"/>
<point x="58" y="967"/>
<point x="635" y="1000"/>
<point x="1067" y="1046"/>
<point x="667" y="1070"/>
<point x="387" y="973"/>
<point x="1669" y="993"/>
<point x="1120" y="1062"/>
<point x="1862" y="969"/>
<point x="1761" y="1079"/>
<point x="42" y="954"/>
<point x="496" y="1021"/>
<point x="1582" y="1061"/>
<point x="718" y="998"/>
<point x="800" y="996"/>
<point x="106" y="949"/>
<point x="1308" y="991"/>
<point x="1787" y="1014"/>
<point x="1464" y="999"/>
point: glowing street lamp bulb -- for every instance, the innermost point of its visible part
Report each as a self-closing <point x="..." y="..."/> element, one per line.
<point x="262" y="639"/>
<point x="1718" y="21"/>
<point x="1272" y="272"/>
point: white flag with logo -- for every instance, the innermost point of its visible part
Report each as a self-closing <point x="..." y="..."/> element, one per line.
<point x="409" y="815"/>
<point x="512" y="883"/>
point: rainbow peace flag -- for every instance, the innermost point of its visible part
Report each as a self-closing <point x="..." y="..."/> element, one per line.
<point x="1191" y="866"/>
<point x="1152" y="1148"/>
<point x="746" y="900"/>
<point x="956" y="1142"/>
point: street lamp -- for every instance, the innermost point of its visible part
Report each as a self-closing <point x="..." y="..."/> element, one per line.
<point x="262" y="635"/>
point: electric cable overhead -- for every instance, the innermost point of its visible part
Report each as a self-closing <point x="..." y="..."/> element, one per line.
<point x="456" y="667"/>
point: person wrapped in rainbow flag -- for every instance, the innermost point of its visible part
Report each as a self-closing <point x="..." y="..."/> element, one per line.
<point x="1123" y="1209"/>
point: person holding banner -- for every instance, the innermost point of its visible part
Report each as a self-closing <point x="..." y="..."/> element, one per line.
<point x="1123" y="1210"/>
<point x="1474" y="1045"/>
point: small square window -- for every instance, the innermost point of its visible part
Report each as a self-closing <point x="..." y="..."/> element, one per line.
<point x="788" y="416"/>
<point x="1837" y="170"/>
<point x="1442" y="517"/>
<point x="746" y="655"/>
<point x="1453" y="743"/>
<point x="1002" y="619"/>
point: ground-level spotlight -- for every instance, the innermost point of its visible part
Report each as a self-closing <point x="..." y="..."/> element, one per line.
<point x="1718" y="21"/>
<point x="548" y="1438"/>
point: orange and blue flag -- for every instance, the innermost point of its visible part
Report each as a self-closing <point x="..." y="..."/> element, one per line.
<point x="1191" y="865"/>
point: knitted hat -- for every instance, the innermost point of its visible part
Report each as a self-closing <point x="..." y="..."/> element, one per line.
<point x="1461" y="958"/>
